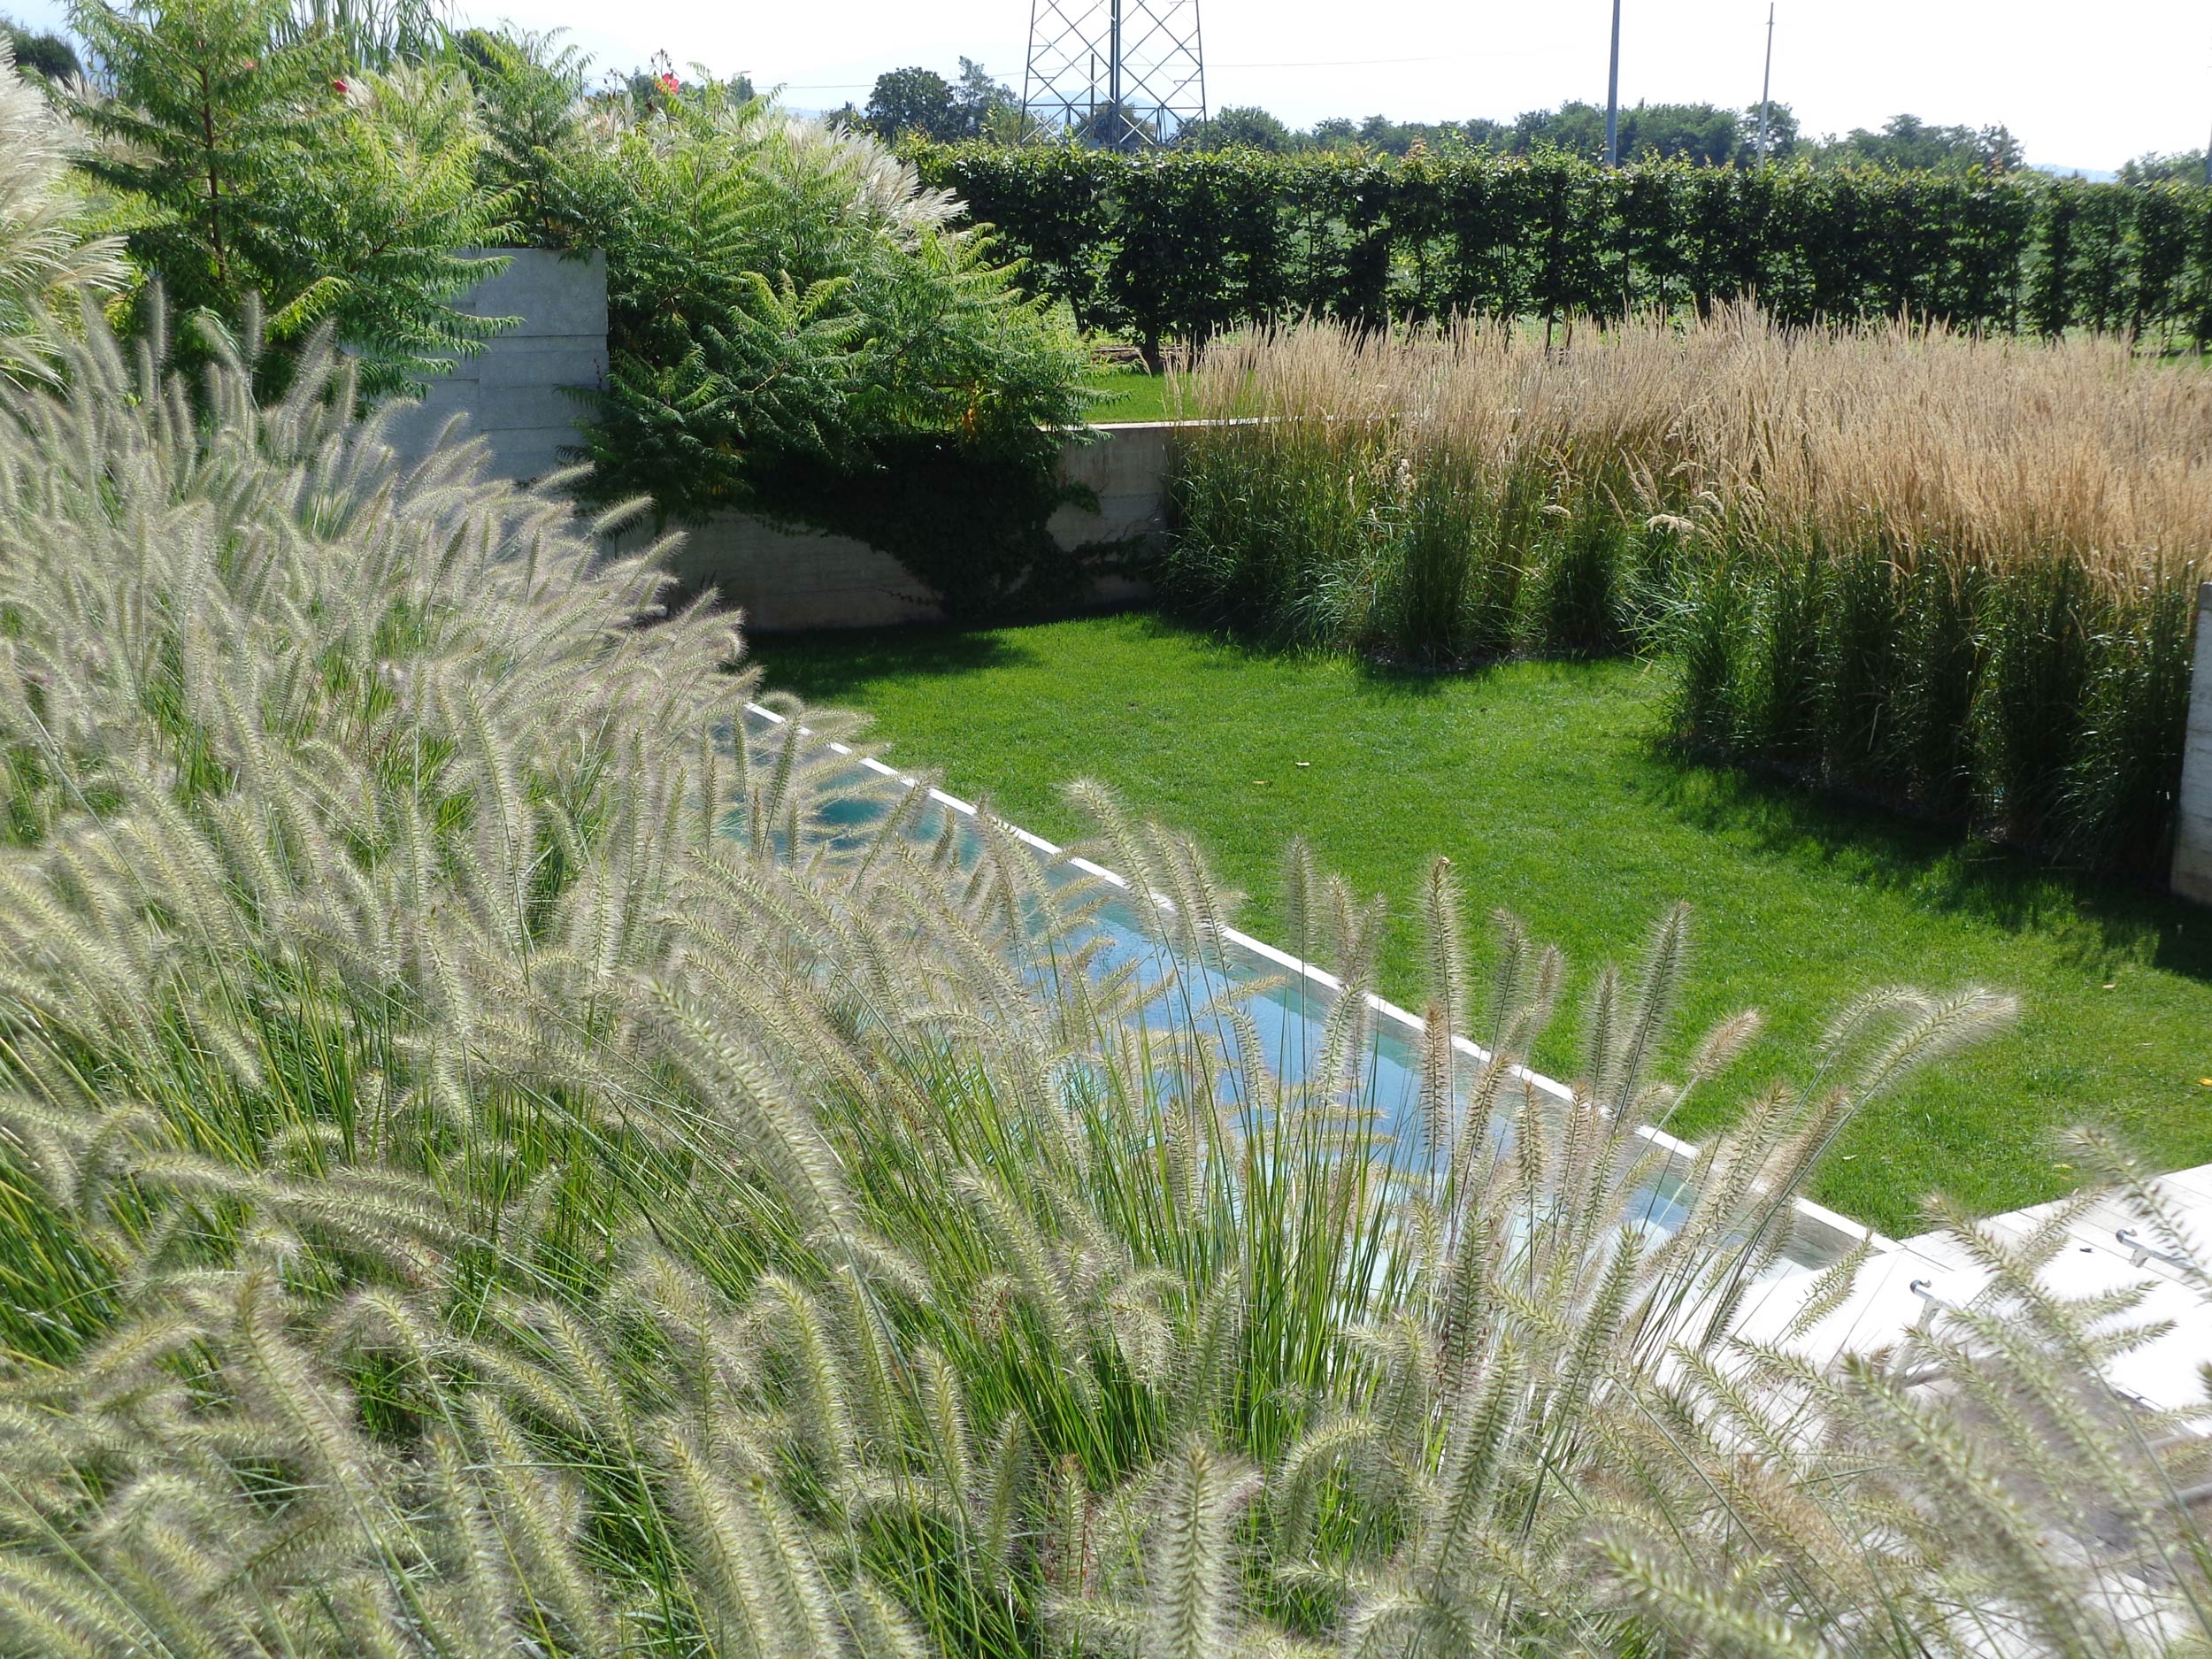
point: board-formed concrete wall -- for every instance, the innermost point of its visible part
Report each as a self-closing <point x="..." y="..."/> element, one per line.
<point x="517" y="392"/>
<point x="785" y="580"/>
<point x="2192" y="821"/>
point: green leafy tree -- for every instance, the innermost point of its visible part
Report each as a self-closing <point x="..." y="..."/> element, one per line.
<point x="1782" y="134"/>
<point x="2185" y="166"/>
<point x="40" y="51"/>
<point x="1690" y="132"/>
<point x="985" y="108"/>
<point x="1908" y="143"/>
<point x="1577" y="127"/>
<point x="530" y="94"/>
<point x="1241" y="126"/>
<point x="269" y="165"/>
<point x="914" y="100"/>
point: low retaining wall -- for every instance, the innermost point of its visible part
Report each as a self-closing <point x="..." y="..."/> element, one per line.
<point x="517" y="392"/>
<point x="788" y="580"/>
<point x="2193" y="817"/>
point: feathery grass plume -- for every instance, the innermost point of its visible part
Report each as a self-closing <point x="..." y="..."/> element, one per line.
<point x="1867" y="568"/>
<point x="52" y="261"/>
<point x="475" y="1174"/>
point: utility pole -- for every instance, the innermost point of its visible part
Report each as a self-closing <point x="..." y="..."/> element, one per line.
<point x="1613" y="95"/>
<point x="1766" y="83"/>
<point x="1113" y="80"/>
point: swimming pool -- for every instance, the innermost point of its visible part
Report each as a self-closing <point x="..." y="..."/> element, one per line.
<point x="1289" y="1001"/>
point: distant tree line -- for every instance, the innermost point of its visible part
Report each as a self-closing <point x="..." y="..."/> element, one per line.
<point x="1701" y="133"/>
<point x="919" y="102"/>
<point x="2186" y="166"/>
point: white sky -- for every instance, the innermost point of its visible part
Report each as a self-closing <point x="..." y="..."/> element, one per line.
<point x="2083" y="85"/>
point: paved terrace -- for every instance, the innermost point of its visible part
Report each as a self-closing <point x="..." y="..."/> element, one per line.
<point x="2104" y="1248"/>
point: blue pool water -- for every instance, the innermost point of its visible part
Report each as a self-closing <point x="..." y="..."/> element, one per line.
<point x="1289" y="1003"/>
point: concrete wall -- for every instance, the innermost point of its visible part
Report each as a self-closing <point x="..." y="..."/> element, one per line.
<point x="513" y="391"/>
<point x="785" y="580"/>
<point x="2193" y="823"/>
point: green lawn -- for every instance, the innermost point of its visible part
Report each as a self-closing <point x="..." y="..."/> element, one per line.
<point x="1539" y="779"/>
<point x="1130" y="394"/>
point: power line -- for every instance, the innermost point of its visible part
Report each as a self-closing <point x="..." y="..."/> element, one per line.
<point x="1346" y="63"/>
<point x="1332" y="63"/>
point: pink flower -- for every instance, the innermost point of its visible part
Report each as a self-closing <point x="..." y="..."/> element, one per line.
<point x="340" y="88"/>
<point x="669" y="83"/>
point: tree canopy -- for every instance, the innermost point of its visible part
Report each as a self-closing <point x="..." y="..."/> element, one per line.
<point x="40" y="51"/>
<point x="915" y="100"/>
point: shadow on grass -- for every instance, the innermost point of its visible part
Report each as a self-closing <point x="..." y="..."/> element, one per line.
<point x="836" y="665"/>
<point x="1234" y="646"/>
<point x="1938" y="866"/>
<point x="2092" y="919"/>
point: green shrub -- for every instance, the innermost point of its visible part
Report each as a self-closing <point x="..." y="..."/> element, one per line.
<point x="1183" y="246"/>
<point x="1282" y="525"/>
<point x="1706" y="632"/>
<point x="1937" y="663"/>
<point x="794" y="326"/>
<point x="2123" y="786"/>
<point x="1778" y="683"/>
<point x="1581" y="582"/>
<point x="2039" y="629"/>
<point x="1860" y="634"/>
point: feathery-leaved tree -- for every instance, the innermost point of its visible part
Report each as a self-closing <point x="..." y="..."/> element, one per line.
<point x="530" y="101"/>
<point x="269" y="163"/>
<point x="503" y="1150"/>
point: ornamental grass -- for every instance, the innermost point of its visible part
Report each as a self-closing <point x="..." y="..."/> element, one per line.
<point x="503" y="1153"/>
<point x="1956" y="571"/>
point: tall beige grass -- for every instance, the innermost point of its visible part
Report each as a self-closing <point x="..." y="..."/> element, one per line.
<point x="53" y="255"/>
<point x="1995" y="448"/>
<point x="1956" y="571"/>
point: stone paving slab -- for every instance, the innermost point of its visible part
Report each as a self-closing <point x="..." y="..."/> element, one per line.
<point x="1896" y="1290"/>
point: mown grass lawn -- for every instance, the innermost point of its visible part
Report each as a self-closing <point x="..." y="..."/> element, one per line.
<point x="1540" y="780"/>
<point x="1126" y="394"/>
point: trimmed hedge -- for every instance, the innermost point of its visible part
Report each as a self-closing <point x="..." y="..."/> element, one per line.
<point x="1179" y="247"/>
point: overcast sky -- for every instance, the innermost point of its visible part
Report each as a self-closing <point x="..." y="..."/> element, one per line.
<point x="2085" y="86"/>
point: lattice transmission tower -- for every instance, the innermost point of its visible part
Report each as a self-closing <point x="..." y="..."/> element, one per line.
<point x="1118" y="75"/>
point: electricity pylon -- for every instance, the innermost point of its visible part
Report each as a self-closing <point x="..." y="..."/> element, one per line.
<point x="1118" y="74"/>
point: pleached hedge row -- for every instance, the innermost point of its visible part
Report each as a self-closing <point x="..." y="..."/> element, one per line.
<point x="1179" y="247"/>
